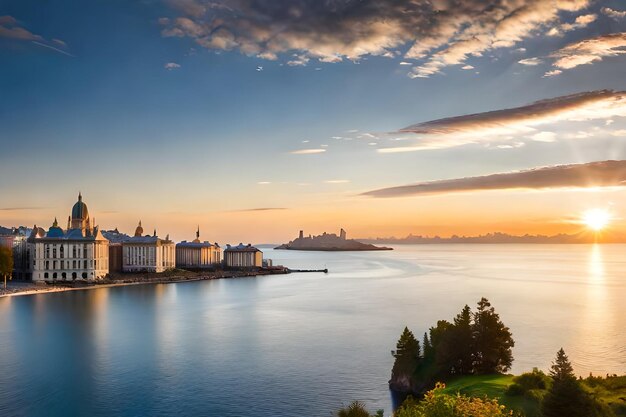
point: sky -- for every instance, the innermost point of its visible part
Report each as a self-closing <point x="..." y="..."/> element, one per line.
<point x="255" y="119"/>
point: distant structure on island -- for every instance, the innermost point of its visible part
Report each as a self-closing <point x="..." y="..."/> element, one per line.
<point x="78" y="252"/>
<point x="197" y="254"/>
<point x="148" y="253"/>
<point x="243" y="256"/>
<point x="329" y="242"/>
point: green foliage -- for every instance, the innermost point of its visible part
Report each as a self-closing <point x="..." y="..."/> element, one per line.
<point x="6" y="264"/>
<point x="407" y="355"/>
<point x="6" y="261"/>
<point x="567" y="397"/>
<point x="473" y="343"/>
<point x="437" y="403"/>
<point x="357" y="409"/>
<point x="529" y="383"/>
<point x="562" y="369"/>
<point x="493" y="341"/>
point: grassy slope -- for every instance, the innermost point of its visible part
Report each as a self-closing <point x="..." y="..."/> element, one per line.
<point x="494" y="386"/>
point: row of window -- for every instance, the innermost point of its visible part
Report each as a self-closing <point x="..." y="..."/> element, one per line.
<point x="64" y="275"/>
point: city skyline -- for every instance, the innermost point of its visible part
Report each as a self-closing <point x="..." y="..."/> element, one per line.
<point x="282" y="119"/>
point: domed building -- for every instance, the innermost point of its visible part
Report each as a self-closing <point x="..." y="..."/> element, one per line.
<point x="78" y="252"/>
<point x="197" y="254"/>
<point x="147" y="253"/>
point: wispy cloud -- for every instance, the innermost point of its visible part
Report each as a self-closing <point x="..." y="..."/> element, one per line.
<point x="589" y="51"/>
<point x="256" y="209"/>
<point x="593" y="174"/>
<point x="461" y="130"/>
<point x="21" y="208"/>
<point x="337" y="181"/>
<point x="171" y="66"/>
<point x="529" y="61"/>
<point x="11" y="28"/>
<point x="615" y="14"/>
<point x="580" y="22"/>
<point x="308" y="151"/>
<point x="439" y="34"/>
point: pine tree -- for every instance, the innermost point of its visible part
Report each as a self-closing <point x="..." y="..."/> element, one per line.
<point x="407" y="355"/>
<point x="492" y="340"/>
<point x="462" y="342"/>
<point x="562" y="369"/>
<point x="566" y="397"/>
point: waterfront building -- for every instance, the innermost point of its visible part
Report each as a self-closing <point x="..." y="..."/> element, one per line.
<point x="243" y="256"/>
<point x="17" y="243"/>
<point x="148" y="253"/>
<point x="197" y="254"/>
<point x="78" y="252"/>
<point x="115" y="257"/>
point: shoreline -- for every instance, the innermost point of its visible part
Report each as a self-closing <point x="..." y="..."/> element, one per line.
<point x="31" y="288"/>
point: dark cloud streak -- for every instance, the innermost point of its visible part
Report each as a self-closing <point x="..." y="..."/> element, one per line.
<point x="593" y="174"/>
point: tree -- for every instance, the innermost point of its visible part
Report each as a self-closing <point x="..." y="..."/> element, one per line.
<point x="493" y="341"/>
<point x="357" y="409"/>
<point x="462" y="342"/>
<point x="562" y="369"/>
<point x="407" y="355"/>
<point x="6" y="264"/>
<point x="567" y="397"/>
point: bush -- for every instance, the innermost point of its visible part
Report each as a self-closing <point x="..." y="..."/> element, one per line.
<point x="529" y="381"/>
<point x="438" y="404"/>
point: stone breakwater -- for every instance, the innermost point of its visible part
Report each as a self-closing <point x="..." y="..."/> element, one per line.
<point x="28" y="288"/>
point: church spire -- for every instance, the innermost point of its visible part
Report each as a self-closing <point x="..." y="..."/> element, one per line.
<point x="198" y="232"/>
<point x="80" y="196"/>
<point x="56" y="223"/>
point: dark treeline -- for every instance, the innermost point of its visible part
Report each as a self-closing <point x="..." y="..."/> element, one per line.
<point x="473" y="343"/>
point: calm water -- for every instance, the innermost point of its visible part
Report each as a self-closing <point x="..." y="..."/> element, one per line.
<point x="303" y="344"/>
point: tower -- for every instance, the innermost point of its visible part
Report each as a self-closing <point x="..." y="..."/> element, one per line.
<point x="342" y="234"/>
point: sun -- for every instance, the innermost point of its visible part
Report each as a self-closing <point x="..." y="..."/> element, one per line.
<point x="596" y="219"/>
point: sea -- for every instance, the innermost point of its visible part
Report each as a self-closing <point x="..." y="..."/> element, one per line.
<point x="302" y="344"/>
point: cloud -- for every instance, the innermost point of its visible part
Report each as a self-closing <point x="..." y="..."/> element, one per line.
<point x="21" y="208"/>
<point x="552" y="73"/>
<point x="440" y="33"/>
<point x="308" y="151"/>
<point x="337" y="181"/>
<point x="10" y="28"/>
<point x="257" y="209"/>
<point x="171" y="66"/>
<point x="580" y="22"/>
<point x="529" y="61"/>
<point x="544" y="137"/>
<point x="615" y="14"/>
<point x="589" y="51"/>
<point x="472" y="128"/>
<point x="264" y="182"/>
<point x="593" y="174"/>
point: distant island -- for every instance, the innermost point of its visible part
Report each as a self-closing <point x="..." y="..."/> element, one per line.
<point x="501" y="238"/>
<point x="329" y="242"/>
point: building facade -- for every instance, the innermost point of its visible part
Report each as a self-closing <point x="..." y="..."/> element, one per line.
<point x="243" y="256"/>
<point x="197" y="254"/>
<point x="78" y="252"/>
<point x="148" y="253"/>
<point x="18" y="244"/>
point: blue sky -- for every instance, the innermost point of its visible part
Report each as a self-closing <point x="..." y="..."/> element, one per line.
<point x="88" y="101"/>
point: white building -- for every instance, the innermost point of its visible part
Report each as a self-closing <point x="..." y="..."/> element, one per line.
<point x="243" y="256"/>
<point x="197" y="254"/>
<point x="148" y="253"/>
<point x="79" y="252"/>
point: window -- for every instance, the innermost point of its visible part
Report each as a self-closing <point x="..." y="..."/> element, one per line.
<point x="54" y="275"/>
<point x="54" y="251"/>
<point x="73" y="251"/>
<point x="73" y="275"/>
<point x="47" y="264"/>
<point x="47" y="248"/>
<point x="74" y="264"/>
<point x="84" y="275"/>
<point x="45" y="275"/>
<point x="63" y="275"/>
<point x="62" y="251"/>
<point x="85" y="264"/>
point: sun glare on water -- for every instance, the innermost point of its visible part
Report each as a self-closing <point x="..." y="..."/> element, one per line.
<point x="596" y="219"/>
